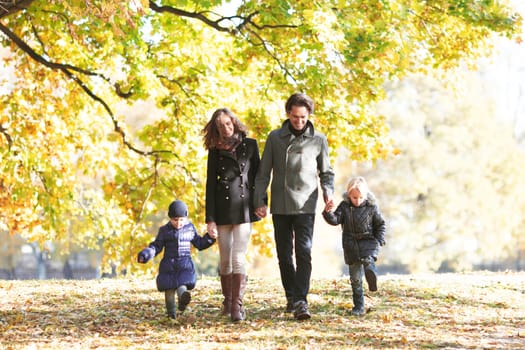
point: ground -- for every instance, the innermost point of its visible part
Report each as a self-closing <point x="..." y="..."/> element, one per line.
<point x="435" y="311"/>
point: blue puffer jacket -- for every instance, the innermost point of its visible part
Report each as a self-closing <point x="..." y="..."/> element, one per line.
<point x="176" y="267"/>
<point x="363" y="228"/>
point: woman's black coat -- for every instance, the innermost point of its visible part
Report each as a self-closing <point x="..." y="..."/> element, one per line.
<point x="230" y="183"/>
<point x="363" y="228"/>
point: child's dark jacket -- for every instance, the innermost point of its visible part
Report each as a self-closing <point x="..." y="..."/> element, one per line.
<point x="176" y="267"/>
<point x="363" y="228"/>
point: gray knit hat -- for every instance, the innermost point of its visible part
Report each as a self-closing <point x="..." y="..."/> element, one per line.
<point x="177" y="209"/>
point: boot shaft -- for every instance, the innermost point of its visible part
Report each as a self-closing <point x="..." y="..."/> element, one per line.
<point x="238" y="289"/>
<point x="226" y="287"/>
<point x="238" y="285"/>
<point x="171" y="306"/>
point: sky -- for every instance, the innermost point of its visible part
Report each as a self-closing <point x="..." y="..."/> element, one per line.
<point x="504" y="77"/>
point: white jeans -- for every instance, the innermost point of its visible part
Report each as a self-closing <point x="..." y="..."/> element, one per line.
<point x="233" y="243"/>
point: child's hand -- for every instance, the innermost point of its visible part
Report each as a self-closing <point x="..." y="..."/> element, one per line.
<point x="213" y="234"/>
<point x="145" y="255"/>
<point x="329" y="206"/>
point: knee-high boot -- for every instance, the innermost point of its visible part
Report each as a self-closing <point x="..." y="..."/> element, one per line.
<point x="370" y="273"/>
<point x="358" y="298"/>
<point x="238" y="288"/>
<point x="169" y="298"/>
<point x="226" y="286"/>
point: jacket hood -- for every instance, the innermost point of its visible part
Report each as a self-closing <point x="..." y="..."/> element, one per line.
<point x="370" y="199"/>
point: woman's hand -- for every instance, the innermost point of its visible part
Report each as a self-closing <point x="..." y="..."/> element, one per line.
<point x="261" y="211"/>
<point x="212" y="229"/>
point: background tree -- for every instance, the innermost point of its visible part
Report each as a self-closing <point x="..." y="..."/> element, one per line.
<point x="9" y="253"/>
<point x="76" y="162"/>
<point x="452" y="194"/>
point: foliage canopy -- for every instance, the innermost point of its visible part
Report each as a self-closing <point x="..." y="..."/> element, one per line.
<point x="82" y="162"/>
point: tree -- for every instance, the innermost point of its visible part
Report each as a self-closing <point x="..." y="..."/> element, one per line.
<point x="453" y="193"/>
<point x="75" y="161"/>
<point x="9" y="253"/>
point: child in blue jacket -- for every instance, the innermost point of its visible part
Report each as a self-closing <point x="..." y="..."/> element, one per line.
<point x="363" y="232"/>
<point x="176" y="269"/>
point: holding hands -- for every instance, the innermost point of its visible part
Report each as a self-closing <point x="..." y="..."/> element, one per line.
<point x="329" y="204"/>
<point x="212" y="229"/>
<point x="261" y="211"/>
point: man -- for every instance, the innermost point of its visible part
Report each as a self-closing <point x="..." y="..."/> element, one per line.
<point x="294" y="157"/>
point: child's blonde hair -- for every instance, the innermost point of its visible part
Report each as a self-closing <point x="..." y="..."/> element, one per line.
<point x="358" y="183"/>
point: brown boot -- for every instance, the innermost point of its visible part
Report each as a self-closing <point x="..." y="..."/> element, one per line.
<point x="226" y="286"/>
<point x="238" y="288"/>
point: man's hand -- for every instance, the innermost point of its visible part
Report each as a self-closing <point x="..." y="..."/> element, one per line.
<point x="261" y="211"/>
<point x="329" y="206"/>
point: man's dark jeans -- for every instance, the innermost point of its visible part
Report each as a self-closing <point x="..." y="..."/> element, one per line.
<point x="298" y="228"/>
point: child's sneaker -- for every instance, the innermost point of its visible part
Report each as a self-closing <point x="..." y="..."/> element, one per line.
<point x="358" y="311"/>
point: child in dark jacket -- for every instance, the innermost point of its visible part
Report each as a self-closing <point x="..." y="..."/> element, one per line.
<point x="363" y="232"/>
<point x="176" y="269"/>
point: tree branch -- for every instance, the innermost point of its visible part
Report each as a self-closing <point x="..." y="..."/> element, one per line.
<point x="244" y="22"/>
<point x="140" y="214"/>
<point x="197" y="15"/>
<point x="68" y="71"/>
<point x="201" y="16"/>
<point x="9" y="7"/>
<point x="7" y="136"/>
<point x="264" y="43"/>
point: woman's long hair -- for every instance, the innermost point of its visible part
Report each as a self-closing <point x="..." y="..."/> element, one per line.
<point x="212" y="137"/>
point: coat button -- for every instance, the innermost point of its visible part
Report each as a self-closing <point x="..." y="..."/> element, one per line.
<point x="242" y="195"/>
<point x="227" y="187"/>
<point x="227" y="197"/>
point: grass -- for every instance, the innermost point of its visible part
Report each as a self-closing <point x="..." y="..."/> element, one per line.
<point x="435" y="311"/>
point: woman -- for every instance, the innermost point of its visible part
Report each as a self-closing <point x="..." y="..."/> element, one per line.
<point x="233" y="160"/>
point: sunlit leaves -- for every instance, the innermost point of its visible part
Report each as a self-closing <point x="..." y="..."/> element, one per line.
<point x="121" y="118"/>
<point x="412" y="311"/>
